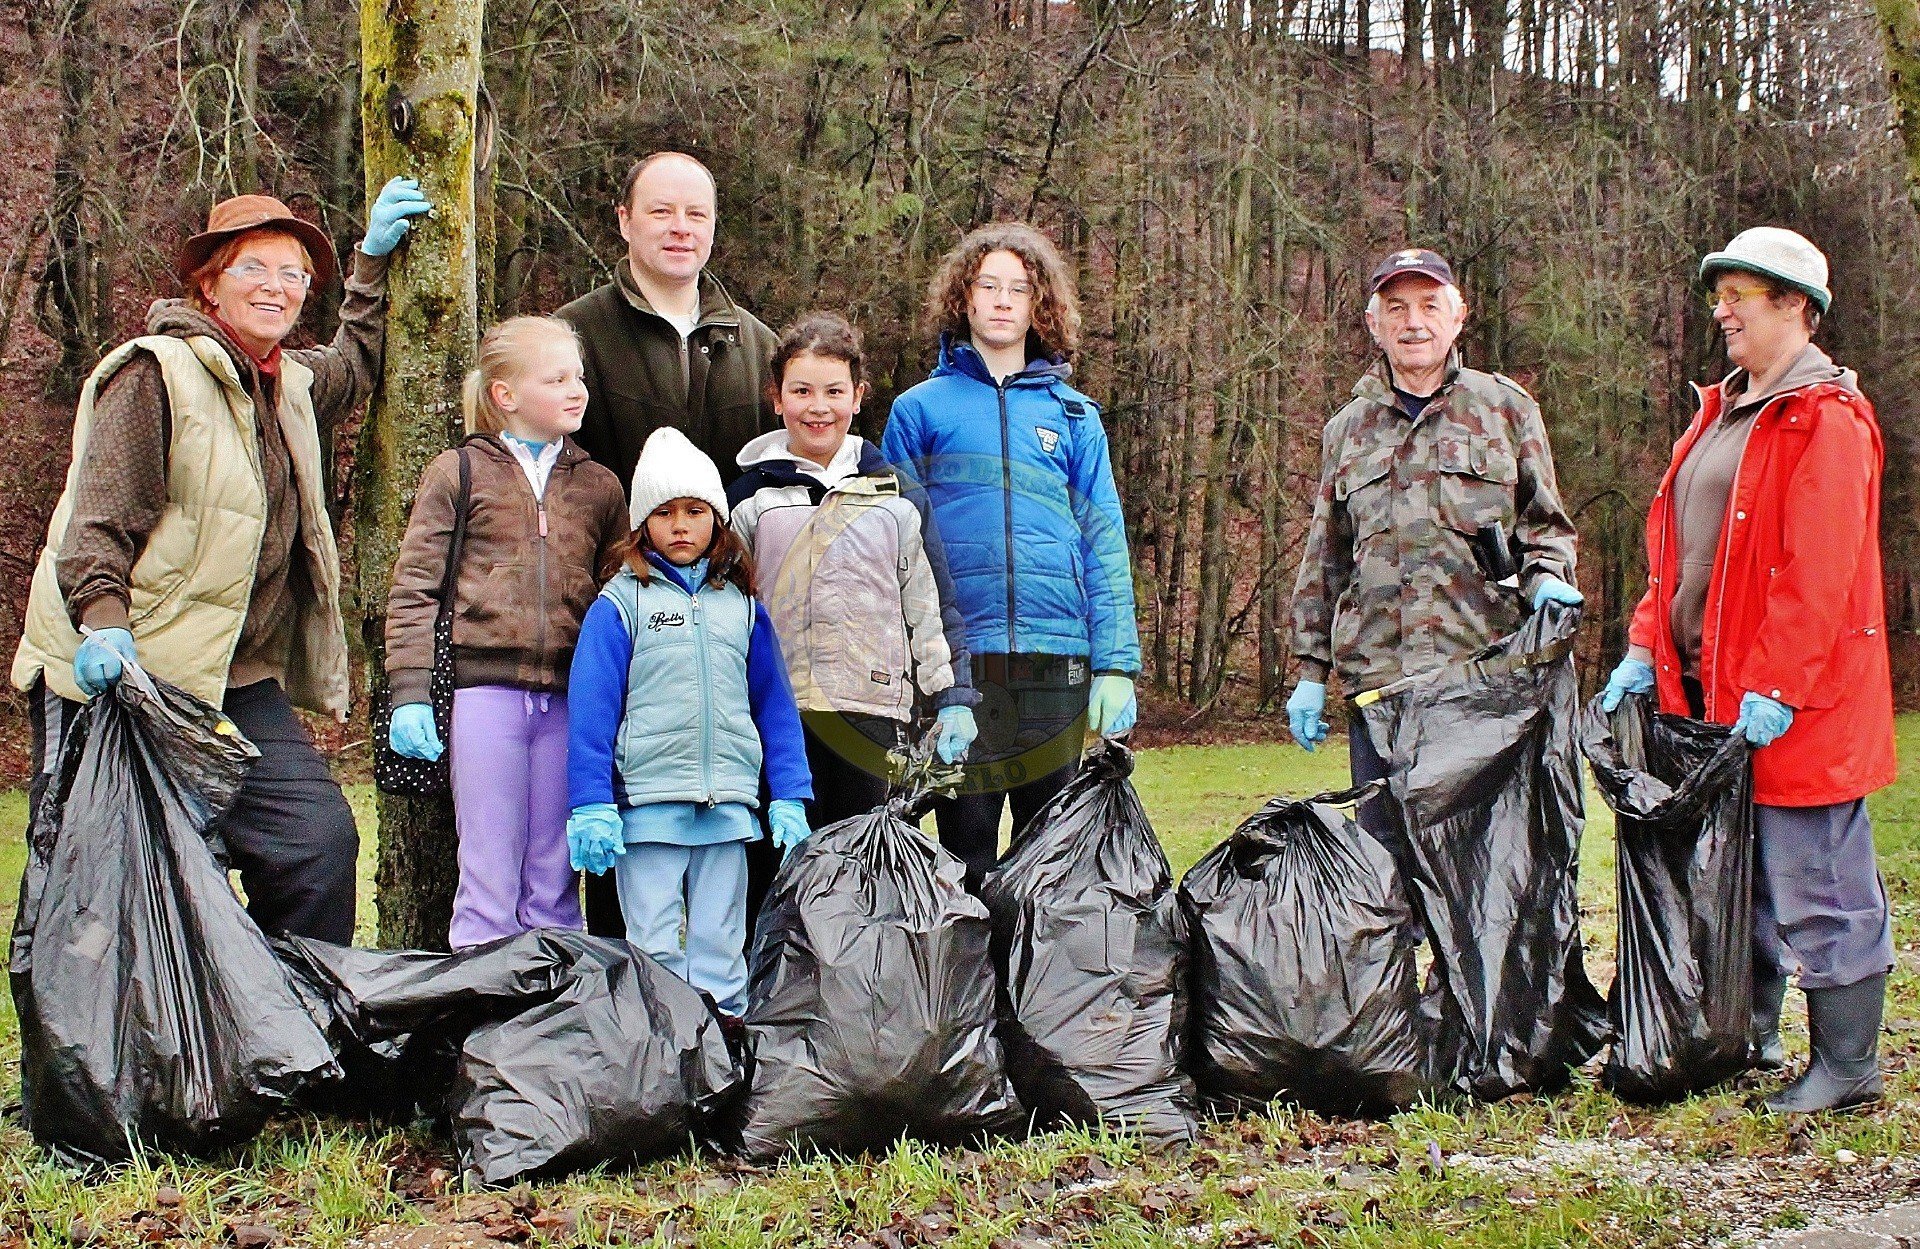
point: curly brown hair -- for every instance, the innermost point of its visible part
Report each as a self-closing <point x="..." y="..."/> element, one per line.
<point x="1056" y="304"/>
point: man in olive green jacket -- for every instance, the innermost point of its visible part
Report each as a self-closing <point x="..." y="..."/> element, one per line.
<point x="664" y="344"/>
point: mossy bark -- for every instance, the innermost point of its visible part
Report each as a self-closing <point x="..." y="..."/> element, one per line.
<point x="1900" y="32"/>
<point x="420" y="78"/>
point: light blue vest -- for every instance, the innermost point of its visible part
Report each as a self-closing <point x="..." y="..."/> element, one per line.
<point x="688" y="733"/>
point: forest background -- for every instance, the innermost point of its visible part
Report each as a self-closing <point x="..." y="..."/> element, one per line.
<point x="1223" y="175"/>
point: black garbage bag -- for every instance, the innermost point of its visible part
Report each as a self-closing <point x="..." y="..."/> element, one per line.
<point x="397" y="1018"/>
<point x="1484" y="778"/>
<point x="551" y="1051"/>
<point x="1682" y="999"/>
<point x="871" y="1008"/>
<point x="1090" y="944"/>
<point x="152" y="1012"/>
<point x="628" y="1064"/>
<point x="1304" y="981"/>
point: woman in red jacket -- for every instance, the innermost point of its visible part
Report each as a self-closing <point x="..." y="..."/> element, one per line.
<point x="1764" y="610"/>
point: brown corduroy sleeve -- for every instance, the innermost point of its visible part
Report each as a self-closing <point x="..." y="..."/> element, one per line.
<point x="614" y="529"/>
<point x="119" y="495"/>
<point x="345" y="372"/>
<point x="414" y="601"/>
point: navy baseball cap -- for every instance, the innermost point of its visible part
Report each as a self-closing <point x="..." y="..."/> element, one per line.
<point x="1412" y="260"/>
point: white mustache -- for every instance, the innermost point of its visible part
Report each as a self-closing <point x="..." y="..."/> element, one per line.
<point x="1415" y="336"/>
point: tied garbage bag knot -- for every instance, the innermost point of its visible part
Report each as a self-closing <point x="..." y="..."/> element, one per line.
<point x="152" y="1012"/>
<point x="1091" y="947"/>
<point x="1304" y="984"/>
<point x="1682" y="999"/>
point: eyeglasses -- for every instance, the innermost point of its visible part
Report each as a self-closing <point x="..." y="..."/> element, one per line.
<point x="253" y="273"/>
<point x="1732" y="296"/>
<point x="992" y="287"/>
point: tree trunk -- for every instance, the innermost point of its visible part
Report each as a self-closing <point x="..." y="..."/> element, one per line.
<point x="1212" y="636"/>
<point x="1900" y="31"/>
<point x="420" y="78"/>
<point x="246" y="73"/>
<point x="71" y="303"/>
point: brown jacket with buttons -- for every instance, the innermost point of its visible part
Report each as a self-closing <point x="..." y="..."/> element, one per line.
<point x="641" y="375"/>
<point x="528" y="572"/>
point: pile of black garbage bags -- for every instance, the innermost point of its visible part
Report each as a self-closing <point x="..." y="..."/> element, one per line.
<point x="1080" y="986"/>
<point x="153" y="1013"/>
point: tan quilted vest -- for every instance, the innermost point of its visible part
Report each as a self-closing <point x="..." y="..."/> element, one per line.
<point x="191" y="585"/>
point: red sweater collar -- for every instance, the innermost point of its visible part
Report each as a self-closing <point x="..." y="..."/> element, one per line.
<point x="269" y="364"/>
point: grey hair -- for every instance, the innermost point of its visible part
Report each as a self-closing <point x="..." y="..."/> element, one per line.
<point x="1451" y="291"/>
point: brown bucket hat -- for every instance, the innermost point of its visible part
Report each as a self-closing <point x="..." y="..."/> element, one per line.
<point x="247" y="212"/>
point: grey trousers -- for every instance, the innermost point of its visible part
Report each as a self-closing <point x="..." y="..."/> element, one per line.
<point x="1819" y="905"/>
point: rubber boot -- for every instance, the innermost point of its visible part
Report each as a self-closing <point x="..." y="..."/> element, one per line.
<point x="1769" y="995"/>
<point x="1844" y="1070"/>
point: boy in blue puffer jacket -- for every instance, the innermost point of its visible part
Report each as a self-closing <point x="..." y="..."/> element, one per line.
<point x="1015" y="463"/>
<point x="678" y="701"/>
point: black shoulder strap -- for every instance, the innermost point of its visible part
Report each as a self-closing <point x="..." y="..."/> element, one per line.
<point x="459" y="540"/>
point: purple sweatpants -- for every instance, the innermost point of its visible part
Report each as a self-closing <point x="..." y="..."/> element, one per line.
<point x="510" y="807"/>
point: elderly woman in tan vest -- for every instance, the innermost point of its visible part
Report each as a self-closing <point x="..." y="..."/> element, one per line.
<point x="193" y="538"/>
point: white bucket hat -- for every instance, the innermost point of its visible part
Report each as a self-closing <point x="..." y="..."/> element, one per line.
<point x="1776" y="253"/>
<point x="671" y="467"/>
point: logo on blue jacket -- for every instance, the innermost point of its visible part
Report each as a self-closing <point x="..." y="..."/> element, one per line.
<point x="1049" y="438"/>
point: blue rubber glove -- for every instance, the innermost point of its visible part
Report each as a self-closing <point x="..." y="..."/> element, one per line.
<point x="102" y="656"/>
<point x="1762" y="719"/>
<point x="1630" y="676"/>
<point x="413" y="733"/>
<point x="1112" y="708"/>
<point x="595" y="837"/>
<point x="387" y="221"/>
<point x="789" y="819"/>
<point x="1554" y="590"/>
<point x="1303" y="713"/>
<point x="956" y="732"/>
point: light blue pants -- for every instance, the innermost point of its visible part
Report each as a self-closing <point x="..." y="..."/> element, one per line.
<point x="686" y="907"/>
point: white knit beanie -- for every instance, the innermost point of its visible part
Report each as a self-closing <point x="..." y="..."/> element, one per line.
<point x="671" y="468"/>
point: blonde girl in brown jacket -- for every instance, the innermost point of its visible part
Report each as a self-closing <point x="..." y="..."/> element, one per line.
<point x="542" y="523"/>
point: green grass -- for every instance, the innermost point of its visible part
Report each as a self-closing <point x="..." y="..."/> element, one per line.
<point x="1579" y="1168"/>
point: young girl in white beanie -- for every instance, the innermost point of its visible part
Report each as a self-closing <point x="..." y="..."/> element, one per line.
<point x="678" y="704"/>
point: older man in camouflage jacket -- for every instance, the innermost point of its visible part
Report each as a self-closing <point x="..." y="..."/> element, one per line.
<point x="1438" y="524"/>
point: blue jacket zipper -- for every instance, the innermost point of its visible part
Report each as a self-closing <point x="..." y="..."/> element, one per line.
<point x="706" y="700"/>
<point x="1006" y="479"/>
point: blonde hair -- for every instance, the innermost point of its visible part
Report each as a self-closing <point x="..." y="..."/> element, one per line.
<point x="501" y="358"/>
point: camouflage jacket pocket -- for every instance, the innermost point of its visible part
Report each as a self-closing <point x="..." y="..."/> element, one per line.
<point x="1476" y="478"/>
<point x="1363" y="485"/>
